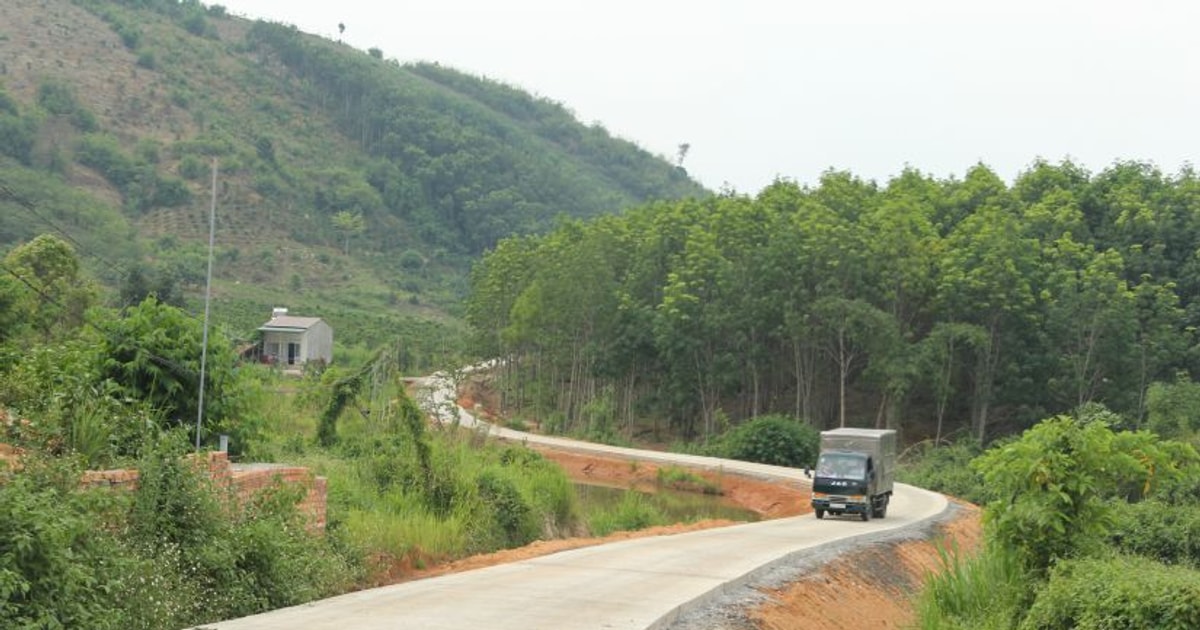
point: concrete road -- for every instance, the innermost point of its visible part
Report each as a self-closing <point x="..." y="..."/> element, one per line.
<point x="635" y="584"/>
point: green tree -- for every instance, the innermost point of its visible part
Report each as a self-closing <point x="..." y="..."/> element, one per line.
<point x="987" y="278"/>
<point x="350" y="225"/>
<point x="1174" y="408"/>
<point x="943" y="355"/>
<point x="855" y="334"/>
<point x="1162" y="338"/>
<point x="13" y="308"/>
<point x="58" y="291"/>
<point x="152" y="353"/>
<point x="1091" y="322"/>
<point x="1053" y="485"/>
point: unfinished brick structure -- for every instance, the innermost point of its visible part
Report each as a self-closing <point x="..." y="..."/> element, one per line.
<point x="245" y="481"/>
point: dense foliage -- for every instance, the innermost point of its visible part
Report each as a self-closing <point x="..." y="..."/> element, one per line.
<point x="945" y="468"/>
<point x="1083" y="524"/>
<point x="1117" y="593"/>
<point x="152" y="353"/>
<point x="933" y="306"/>
<point x="168" y="555"/>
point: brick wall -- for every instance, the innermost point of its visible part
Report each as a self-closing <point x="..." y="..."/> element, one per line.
<point x="245" y="481"/>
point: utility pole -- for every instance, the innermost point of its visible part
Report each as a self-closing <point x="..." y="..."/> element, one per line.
<point x="212" y="230"/>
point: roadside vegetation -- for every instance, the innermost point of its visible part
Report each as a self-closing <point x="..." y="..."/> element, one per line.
<point x="87" y="387"/>
<point x="1088" y="524"/>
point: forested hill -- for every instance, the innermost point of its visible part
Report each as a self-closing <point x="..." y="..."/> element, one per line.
<point x="111" y="112"/>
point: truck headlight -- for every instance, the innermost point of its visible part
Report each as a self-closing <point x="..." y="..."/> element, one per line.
<point x="820" y="495"/>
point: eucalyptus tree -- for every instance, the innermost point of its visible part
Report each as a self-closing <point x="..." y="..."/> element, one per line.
<point x="750" y="286"/>
<point x="1163" y="338"/>
<point x="943" y="356"/>
<point x="854" y="335"/>
<point x="1124" y="206"/>
<point x="564" y="316"/>
<point x="902" y="248"/>
<point x="1090" y="321"/>
<point x="697" y="324"/>
<point x="496" y="282"/>
<point x="986" y="278"/>
<point x="798" y="275"/>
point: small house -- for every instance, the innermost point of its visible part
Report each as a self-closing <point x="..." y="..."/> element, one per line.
<point x="290" y="340"/>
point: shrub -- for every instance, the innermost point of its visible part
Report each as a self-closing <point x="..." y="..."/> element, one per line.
<point x="411" y="260"/>
<point x="1115" y="593"/>
<point x="1053" y="485"/>
<point x="17" y="136"/>
<point x="59" y="99"/>
<point x="152" y="354"/>
<point x="683" y="479"/>
<point x="103" y="153"/>
<point x="514" y="521"/>
<point x="1165" y="532"/>
<point x="147" y="60"/>
<point x="51" y="572"/>
<point x="774" y="439"/>
<point x="945" y="469"/>
<point x="239" y="562"/>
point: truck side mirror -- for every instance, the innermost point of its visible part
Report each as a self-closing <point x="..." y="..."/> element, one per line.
<point x="808" y="472"/>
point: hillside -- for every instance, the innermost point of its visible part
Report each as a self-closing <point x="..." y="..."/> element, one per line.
<point x="348" y="183"/>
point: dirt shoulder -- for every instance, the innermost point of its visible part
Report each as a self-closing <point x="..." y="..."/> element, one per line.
<point x="871" y="587"/>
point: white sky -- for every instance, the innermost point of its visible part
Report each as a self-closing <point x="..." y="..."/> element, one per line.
<point x="774" y="88"/>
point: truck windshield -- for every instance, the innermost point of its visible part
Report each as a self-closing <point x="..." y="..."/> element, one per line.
<point x="840" y="466"/>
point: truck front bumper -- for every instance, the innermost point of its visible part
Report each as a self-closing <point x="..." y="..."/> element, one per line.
<point x="840" y="505"/>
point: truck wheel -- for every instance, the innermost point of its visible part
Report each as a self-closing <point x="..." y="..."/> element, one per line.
<point x="819" y="512"/>
<point x="866" y="515"/>
<point x="883" y="508"/>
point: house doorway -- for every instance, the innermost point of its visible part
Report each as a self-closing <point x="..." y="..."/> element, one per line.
<point x="293" y="352"/>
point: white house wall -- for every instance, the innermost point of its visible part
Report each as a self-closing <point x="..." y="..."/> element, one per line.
<point x="315" y="343"/>
<point x="318" y="343"/>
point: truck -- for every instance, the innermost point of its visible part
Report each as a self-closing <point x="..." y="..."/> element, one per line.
<point x="855" y="472"/>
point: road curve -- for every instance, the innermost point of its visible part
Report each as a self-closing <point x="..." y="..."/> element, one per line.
<point x="638" y="584"/>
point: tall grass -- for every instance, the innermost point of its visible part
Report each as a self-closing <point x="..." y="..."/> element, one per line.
<point x="984" y="592"/>
<point x="635" y="511"/>
<point x="412" y="533"/>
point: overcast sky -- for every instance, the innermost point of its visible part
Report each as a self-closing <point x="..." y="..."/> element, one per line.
<point x="765" y="89"/>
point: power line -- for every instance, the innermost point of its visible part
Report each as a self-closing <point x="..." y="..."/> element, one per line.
<point x="7" y="193"/>
<point x="163" y="361"/>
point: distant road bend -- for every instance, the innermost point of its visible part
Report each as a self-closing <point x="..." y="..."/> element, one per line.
<point x="637" y="584"/>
